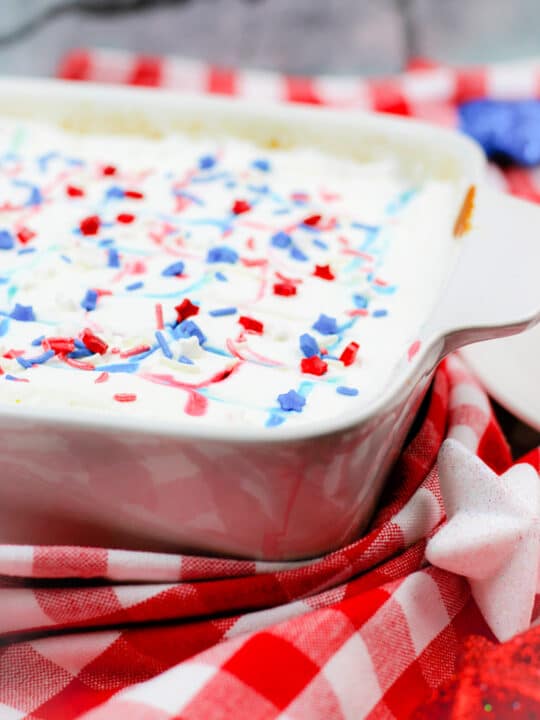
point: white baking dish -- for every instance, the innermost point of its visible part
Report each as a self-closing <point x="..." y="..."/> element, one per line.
<point x="296" y="492"/>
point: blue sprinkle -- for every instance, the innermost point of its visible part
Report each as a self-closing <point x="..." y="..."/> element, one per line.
<point x="6" y="240"/>
<point x="221" y="277"/>
<point x="26" y="251"/>
<point x="380" y="313"/>
<point x="177" y="268"/>
<point x="360" y="301"/>
<point x="297" y="254"/>
<point x="309" y="345"/>
<point x="89" y="301"/>
<point x="281" y="240"/>
<point x="363" y="226"/>
<point x="291" y="401"/>
<point x="66" y="259"/>
<point x="222" y="253"/>
<point x="119" y="368"/>
<point x="11" y="377"/>
<point x="37" y="341"/>
<point x="187" y="329"/>
<point x="113" y="258"/>
<point x="326" y="325"/>
<point x="24" y="363"/>
<point x="135" y="286"/>
<point x="274" y="420"/>
<point x="206" y="162"/>
<point x="78" y="354"/>
<point x="106" y="242"/>
<point x="320" y="244"/>
<point x="184" y="359"/>
<point x="43" y="358"/>
<point x="163" y="344"/>
<point x="342" y="390"/>
<point x="220" y="312"/>
<point x="23" y="313"/>
<point x="143" y="355"/>
<point x="115" y="193"/>
<point x="261" y="189"/>
<point x="261" y="164"/>
<point x="4" y="280"/>
<point x="35" y="197"/>
<point x="4" y="327"/>
<point x="384" y="289"/>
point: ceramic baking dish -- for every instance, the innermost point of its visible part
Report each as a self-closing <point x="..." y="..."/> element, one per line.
<point x="73" y="477"/>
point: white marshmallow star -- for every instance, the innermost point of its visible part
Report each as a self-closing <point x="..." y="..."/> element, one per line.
<point x="492" y="536"/>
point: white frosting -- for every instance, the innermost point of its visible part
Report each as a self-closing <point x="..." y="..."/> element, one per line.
<point x="375" y="226"/>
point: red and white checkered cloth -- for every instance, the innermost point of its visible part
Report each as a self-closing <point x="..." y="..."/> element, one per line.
<point x="368" y="631"/>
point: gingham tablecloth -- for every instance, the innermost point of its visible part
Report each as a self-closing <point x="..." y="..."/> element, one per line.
<point x="368" y="631"/>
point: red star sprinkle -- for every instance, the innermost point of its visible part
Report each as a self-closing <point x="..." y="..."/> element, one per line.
<point x="109" y="170"/>
<point x="324" y="272"/>
<point x="90" y="225"/>
<point x="314" y="365"/>
<point x="240" y="206"/>
<point x="348" y="356"/>
<point x="185" y="310"/>
<point x="25" y="235"/>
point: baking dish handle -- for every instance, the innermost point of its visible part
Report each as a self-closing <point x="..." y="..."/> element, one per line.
<point x="494" y="290"/>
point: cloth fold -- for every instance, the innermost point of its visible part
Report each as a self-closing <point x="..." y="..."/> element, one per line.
<point x="370" y="630"/>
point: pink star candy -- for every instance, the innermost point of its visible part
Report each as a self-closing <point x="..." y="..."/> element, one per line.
<point x="492" y="536"/>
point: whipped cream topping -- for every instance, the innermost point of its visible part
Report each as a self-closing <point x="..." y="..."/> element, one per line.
<point x="209" y="280"/>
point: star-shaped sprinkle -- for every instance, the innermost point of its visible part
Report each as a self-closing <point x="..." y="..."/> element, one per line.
<point x="492" y="536"/>
<point x="291" y="401"/>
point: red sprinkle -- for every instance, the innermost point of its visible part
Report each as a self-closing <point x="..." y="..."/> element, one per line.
<point x="312" y="220"/>
<point x="25" y="235"/>
<point x="109" y="170"/>
<point x="125" y="397"/>
<point x="414" y="348"/>
<point x="159" y="316"/>
<point x="93" y="343"/>
<point x="134" y="194"/>
<point x="102" y="378"/>
<point x="324" y="272"/>
<point x="90" y="225"/>
<point x="313" y="365"/>
<point x="240" y="206"/>
<point x="79" y="364"/>
<point x="285" y="289"/>
<point x="251" y="324"/>
<point x="185" y="310"/>
<point x="60" y="345"/>
<point x="102" y="293"/>
<point x="12" y="354"/>
<point x="348" y="356"/>
<point x="135" y="351"/>
<point x="74" y="191"/>
<point x="125" y="218"/>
